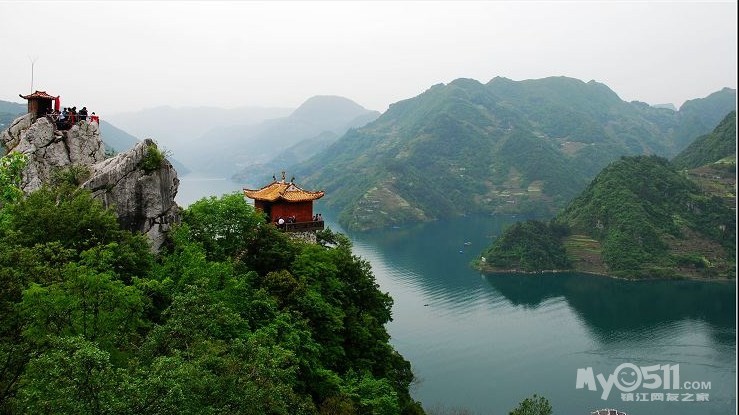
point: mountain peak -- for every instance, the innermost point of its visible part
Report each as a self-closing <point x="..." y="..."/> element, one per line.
<point x="320" y="105"/>
<point x="466" y="82"/>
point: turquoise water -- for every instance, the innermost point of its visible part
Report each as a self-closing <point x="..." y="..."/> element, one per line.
<point x="486" y="342"/>
<point x="195" y="186"/>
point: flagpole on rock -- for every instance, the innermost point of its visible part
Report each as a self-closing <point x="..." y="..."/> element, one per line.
<point x="33" y="62"/>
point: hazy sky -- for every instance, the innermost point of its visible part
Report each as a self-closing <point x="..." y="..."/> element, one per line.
<point x="122" y="55"/>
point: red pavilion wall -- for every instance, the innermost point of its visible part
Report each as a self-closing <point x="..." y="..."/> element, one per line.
<point x="303" y="211"/>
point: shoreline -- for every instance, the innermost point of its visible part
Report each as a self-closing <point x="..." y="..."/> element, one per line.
<point x="491" y="270"/>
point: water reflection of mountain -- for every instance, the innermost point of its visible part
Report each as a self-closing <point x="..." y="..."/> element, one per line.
<point x="611" y="306"/>
<point x="439" y="252"/>
<point x="434" y="259"/>
<point x="481" y="341"/>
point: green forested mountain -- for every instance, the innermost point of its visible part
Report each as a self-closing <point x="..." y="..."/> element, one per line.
<point x="638" y="218"/>
<point x="652" y="220"/>
<point x="710" y="148"/>
<point x="504" y="146"/>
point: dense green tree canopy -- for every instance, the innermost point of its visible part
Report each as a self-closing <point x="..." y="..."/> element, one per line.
<point x="529" y="246"/>
<point x="11" y="166"/>
<point x="232" y="317"/>
<point x="535" y="405"/>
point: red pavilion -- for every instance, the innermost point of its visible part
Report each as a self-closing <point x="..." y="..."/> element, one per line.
<point x="286" y="205"/>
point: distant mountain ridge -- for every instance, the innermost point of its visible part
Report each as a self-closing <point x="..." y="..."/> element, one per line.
<point x="506" y="146"/>
<point x="179" y="129"/>
<point x="10" y="111"/>
<point x="242" y="142"/>
<point x="700" y="116"/>
<point x="710" y="148"/>
<point x="332" y="116"/>
<point x="187" y="123"/>
<point x="244" y="150"/>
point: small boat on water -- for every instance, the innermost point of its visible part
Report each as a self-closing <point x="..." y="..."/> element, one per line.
<point x="468" y="243"/>
<point x="608" y="412"/>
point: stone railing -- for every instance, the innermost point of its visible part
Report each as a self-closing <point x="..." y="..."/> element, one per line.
<point x="314" y="225"/>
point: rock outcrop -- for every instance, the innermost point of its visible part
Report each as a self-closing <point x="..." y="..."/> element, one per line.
<point x="49" y="150"/>
<point x="140" y="184"/>
<point x="142" y="196"/>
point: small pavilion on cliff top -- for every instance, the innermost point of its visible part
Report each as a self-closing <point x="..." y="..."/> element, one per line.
<point x="39" y="103"/>
<point x="286" y="205"/>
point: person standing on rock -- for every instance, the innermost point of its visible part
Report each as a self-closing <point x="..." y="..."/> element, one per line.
<point x="83" y="114"/>
<point x="62" y="121"/>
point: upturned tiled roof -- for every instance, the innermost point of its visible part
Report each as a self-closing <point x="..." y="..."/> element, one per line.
<point x="287" y="191"/>
<point x="38" y="94"/>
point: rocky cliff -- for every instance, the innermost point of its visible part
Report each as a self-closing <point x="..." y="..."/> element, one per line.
<point x="50" y="150"/>
<point x="140" y="184"/>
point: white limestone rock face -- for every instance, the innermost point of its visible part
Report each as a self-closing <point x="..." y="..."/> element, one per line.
<point x="142" y="198"/>
<point x="84" y="144"/>
<point x="49" y="150"/>
<point x="10" y="137"/>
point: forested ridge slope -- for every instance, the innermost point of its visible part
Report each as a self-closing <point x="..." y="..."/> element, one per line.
<point x="502" y="147"/>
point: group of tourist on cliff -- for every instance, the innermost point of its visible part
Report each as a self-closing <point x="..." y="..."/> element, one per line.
<point x="65" y="119"/>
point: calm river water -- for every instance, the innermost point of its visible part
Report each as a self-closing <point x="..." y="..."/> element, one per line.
<point x="486" y="342"/>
